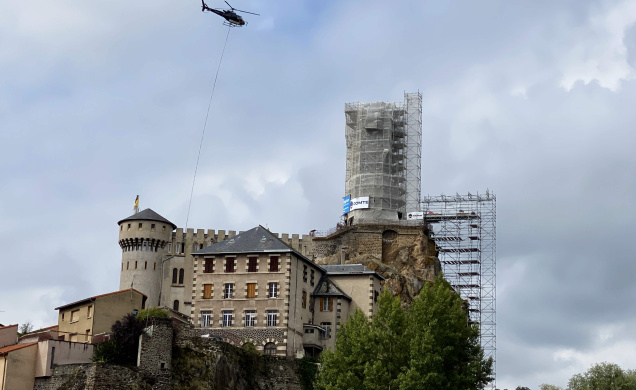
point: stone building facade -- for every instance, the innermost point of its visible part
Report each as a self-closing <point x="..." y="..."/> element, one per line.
<point x="170" y="267"/>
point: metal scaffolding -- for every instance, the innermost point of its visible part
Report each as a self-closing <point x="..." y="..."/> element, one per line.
<point x="384" y="144"/>
<point x="464" y="229"/>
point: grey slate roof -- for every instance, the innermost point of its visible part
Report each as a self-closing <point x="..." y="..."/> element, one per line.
<point x="147" y="215"/>
<point x="258" y="239"/>
<point x="349" y="269"/>
<point x="327" y="287"/>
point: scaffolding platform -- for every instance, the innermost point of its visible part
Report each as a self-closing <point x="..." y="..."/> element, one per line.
<point x="463" y="228"/>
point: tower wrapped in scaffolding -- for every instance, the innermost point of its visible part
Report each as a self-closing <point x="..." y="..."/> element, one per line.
<point x="463" y="228"/>
<point x="383" y="172"/>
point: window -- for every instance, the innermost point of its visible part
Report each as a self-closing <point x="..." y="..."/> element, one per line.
<point x="229" y="287"/>
<point x="251" y="290"/>
<point x="154" y="267"/>
<point x="312" y="278"/>
<point x="152" y="227"/>
<point x="273" y="264"/>
<point x="52" y="357"/>
<point x="62" y="316"/>
<point x="327" y="332"/>
<point x="270" y="349"/>
<point x="273" y="290"/>
<point x="194" y="247"/>
<point x="229" y="264"/>
<point x="252" y="263"/>
<point x="174" y="275"/>
<point x="127" y="264"/>
<point x="206" y="318"/>
<point x="121" y="229"/>
<point x="207" y="291"/>
<point x="326" y="304"/>
<point x="250" y="317"/>
<point x="181" y="275"/>
<point x="141" y="225"/>
<point x="304" y="299"/>
<point x="128" y="229"/>
<point x="89" y="313"/>
<point x="75" y="315"/>
<point x="169" y="247"/>
<point x="375" y="296"/>
<point x="175" y="305"/>
<point x="271" y="317"/>
<point x="305" y="273"/>
<point x="163" y="229"/>
<point x="135" y="264"/>
<point x="178" y="248"/>
<point x="145" y="265"/>
<point x="208" y="267"/>
<point x="227" y="318"/>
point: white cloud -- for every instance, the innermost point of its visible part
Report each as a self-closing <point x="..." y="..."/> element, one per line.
<point x="598" y="52"/>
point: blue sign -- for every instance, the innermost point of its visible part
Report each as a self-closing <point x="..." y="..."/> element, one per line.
<point x="346" y="204"/>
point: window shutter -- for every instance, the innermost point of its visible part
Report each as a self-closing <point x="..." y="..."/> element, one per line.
<point x="322" y="301"/>
<point x="251" y="290"/>
<point x="207" y="291"/>
<point x="330" y="304"/>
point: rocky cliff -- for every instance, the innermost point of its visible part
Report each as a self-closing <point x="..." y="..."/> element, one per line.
<point x="404" y="255"/>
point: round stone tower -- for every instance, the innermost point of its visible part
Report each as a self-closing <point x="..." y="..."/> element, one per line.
<point x="143" y="238"/>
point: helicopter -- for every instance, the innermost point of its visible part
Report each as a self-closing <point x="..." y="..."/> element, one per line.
<point x="232" y="19"/>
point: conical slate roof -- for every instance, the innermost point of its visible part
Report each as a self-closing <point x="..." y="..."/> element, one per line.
<point x="147" y="215"/>
<point x="258" y="239"/>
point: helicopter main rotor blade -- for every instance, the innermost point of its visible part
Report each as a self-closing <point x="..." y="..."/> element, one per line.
<point x="247" y="12"/>
<point x="228" y="4"/>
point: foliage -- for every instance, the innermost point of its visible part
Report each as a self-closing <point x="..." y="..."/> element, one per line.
<point x="122" y="348"/>
<point x="601" y="376"/>
<point x="25" y="328"/>
<point x="429" y="346"/>
<point x="307" y="371"/>
<point x="105" y="352"/>
<point x="522" y="388"/>
<point x="153" y="312"/>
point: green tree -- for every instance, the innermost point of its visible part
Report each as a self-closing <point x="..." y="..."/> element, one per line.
<point x="429" y="346"/>
<point x="522" y="388"/>
<point x="601" y="376"/>
<point x="549" y="387"/>
<point x="122" y="348"/>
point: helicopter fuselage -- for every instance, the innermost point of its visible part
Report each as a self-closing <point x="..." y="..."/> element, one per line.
<point x="231" y="16"/>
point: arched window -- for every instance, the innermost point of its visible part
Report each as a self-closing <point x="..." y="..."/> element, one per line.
<point x="181" y="273"/>
<point x="174" y="276"/>
<point x="270" y="349"/>
<point x="175" y="305"/>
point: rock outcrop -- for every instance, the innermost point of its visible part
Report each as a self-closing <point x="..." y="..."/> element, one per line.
<point x="404" y="255"/>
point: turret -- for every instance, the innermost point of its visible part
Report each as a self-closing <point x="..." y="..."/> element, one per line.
<point x="143" y="238"/>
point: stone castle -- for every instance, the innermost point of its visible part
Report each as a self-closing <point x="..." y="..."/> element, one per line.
<point x="289" y="293"/>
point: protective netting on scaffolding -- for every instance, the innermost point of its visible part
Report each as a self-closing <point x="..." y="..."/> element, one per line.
<point x="463" y="228"/>
<point x="384" y="142"/>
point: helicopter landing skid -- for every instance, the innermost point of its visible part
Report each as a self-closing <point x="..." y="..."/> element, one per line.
<point x="226" y="23"/>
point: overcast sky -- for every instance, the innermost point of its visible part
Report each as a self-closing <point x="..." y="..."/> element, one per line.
<point x="533" y="100"/>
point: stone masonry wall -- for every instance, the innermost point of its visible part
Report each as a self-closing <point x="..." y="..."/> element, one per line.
<point x="404" y="255"/>
<point x="155" y="352"/>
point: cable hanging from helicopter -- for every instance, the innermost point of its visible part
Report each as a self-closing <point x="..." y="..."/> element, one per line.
<point x="232" y="19"/>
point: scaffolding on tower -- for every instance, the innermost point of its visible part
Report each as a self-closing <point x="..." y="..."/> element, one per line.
<point x="463" y="228"/>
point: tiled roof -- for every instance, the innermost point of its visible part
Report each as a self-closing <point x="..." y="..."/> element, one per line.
<point x="91" y="299"/>
<point x="147" y="215"/>
<point x="11" y="348"/>
<point x="258" y="239"/>
<point x="327" y="287"/>
<point x="8" y="326"/>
